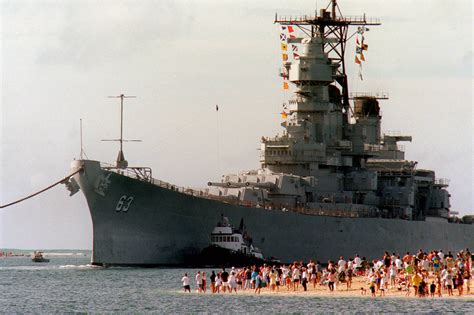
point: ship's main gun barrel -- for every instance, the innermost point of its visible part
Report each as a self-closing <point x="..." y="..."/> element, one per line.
<point x="269" y="186"/>
<point x="226" y="184"/>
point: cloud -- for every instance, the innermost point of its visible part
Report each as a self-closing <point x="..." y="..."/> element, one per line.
<point x="94" y="32"/>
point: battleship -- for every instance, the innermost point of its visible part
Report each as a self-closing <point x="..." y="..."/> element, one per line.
<point x="331" y="184"/>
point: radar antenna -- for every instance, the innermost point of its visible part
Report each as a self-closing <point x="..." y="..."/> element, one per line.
<point x="121" y="162"/>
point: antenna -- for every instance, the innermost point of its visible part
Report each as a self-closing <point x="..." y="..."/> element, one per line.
<point x="121" y="162"/>
<point x="81" y="155"/>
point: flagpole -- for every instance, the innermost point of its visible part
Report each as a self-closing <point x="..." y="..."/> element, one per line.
<point x="218" y="140"/>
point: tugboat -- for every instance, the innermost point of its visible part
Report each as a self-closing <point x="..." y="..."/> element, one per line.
<point x="231" y="246"/>
<point x="38" y="257"/>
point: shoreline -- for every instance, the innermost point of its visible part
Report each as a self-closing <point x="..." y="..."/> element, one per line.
<point x="354" y="292"/>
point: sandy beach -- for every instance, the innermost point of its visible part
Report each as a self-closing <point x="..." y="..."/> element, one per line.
<point x="355" y="291"/>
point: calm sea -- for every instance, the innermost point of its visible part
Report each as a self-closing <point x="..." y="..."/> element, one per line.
<point x="69" y="284"/>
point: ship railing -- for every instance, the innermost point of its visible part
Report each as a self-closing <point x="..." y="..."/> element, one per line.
<point x="392" y="133"/>
<point x="358" y="19"/>
<point x="361" y="212"/>
<point x="342" y="144"/>
<point x="377" y="95"/>
<point x="401" y="147"/>
<point x="444" y="182"/>
<point x="311" y="19"/>
<point x="275" y="140"/>
<point x="138" y="172"/>
<point x="185" y="190"/>
<point x="371" y="147"/>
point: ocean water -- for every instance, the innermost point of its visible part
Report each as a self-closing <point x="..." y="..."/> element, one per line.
<point x="69" y="284"/>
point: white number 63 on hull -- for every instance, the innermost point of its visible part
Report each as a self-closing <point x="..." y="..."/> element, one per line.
<point x="124" y="203"/>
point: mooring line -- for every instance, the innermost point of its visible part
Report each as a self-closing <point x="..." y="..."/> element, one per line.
<point x="63" y="180"/>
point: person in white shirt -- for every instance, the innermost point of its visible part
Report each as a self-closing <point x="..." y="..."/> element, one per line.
<point x="357" y="262"/>
<point x="185" y="281"/>
<point x="350" y="264"/>
<point x="232" y="283"/>
<point x="399" y="263"/>
<point x="444" y="276"/>
<point x="393" y="274"/>
<point x="341" y="264"/>
<point x="199" y="281"/>
<point x="441" y="256"/>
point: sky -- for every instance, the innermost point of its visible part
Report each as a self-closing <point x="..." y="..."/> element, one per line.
<point x="61" y="59"/>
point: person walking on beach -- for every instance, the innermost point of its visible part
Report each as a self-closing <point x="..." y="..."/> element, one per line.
<point x="204" y="282"/>
<point x="349" y="273"/>
<point x="304" y="278"/>
<point x="199" y="281"/>
<point x="438" y="286"/>
<point x="218" y="283"/>
<point x="185" y="281"/>
<point x="416" y="281"/>
<point x="467" y="280"/>
<point x="393" y="275"/>
<point x="372" y="282"/>
<point x="459" y="282"/>
<point x="449" y="282"/>
<point x="432" y="289"/>
<point x="273" y="278"/>
<point x="286" y="277"/>
<point x="248" y="279"/>
<point x="296" y="278"/>
<point x="444" y="277"/>
<point x="331" y="279"/>
<point x="224" y="278"/>
<point x="232" y="282"/>
<point x="258" y="283"/>
<point x="213" y="282"/>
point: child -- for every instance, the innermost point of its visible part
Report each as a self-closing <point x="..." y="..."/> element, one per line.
<point x="432" y="289"/>
<point x="372" y="288"/>
<point x="258" y="283"/>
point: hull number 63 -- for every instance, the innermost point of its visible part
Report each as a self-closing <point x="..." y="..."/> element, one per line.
<point x="124" y="203"/>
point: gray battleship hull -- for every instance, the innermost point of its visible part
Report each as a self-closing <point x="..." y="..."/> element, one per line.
<point x="165" y="227"/>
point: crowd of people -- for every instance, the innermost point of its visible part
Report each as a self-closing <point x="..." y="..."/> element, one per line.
<point x="433" y="273"/>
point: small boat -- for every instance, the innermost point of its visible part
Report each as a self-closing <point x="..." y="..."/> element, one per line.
<point x="38" y="257"/>
<point x="231" y="246"/>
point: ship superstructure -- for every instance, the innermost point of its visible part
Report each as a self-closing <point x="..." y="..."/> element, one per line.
<point x="331" y="184"/>
<point x="333" y="155"/>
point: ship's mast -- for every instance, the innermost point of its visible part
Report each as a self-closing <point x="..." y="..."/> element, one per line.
<point x="121" y="162"/>
<point x="333" y="30"/>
